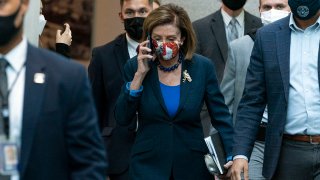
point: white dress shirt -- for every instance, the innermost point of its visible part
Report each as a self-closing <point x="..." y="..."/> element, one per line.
<point x="240" y="23"/>
<point x="132" y="46"/>
<point x="16" y="59"/>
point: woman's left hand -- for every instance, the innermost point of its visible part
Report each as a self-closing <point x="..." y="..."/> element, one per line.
<point x="228" y="174"/>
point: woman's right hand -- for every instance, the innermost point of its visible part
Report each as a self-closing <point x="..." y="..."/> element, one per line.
<point x="143" y="58"/>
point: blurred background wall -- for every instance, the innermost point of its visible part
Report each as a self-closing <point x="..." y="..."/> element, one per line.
<point x="105" y="24"/>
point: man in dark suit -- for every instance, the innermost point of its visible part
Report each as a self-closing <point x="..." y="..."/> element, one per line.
<point x="106" y="75"/>
<point x="48" y="122"/>
<point x="214" y="36"/>
<point x="283" y="73"/>
<point x="213" y="31"/>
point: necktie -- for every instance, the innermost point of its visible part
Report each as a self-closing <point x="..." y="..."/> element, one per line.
<point x="3" y="97"/>
<point x="233" y="31"/>
<point x="3" y="102"/>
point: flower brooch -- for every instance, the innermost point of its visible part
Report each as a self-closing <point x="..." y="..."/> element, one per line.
<point x="186" y="76"/>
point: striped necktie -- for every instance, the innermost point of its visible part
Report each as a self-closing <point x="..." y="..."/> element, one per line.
<point x="233" y="31"/>
<point x="3" y="97"/>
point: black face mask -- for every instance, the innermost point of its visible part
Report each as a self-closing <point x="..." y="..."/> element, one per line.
<point x="7" y="28"/>
<point x="304" y="9"/>
<point x="234" y="4"/>
<point x="133" y="27"/>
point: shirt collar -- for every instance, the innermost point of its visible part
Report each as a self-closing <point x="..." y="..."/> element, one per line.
<point x="17" y="56"/>
<point x="132" y="43"/>
<point x="293" y="26"/>
<point x="227" y="18"/>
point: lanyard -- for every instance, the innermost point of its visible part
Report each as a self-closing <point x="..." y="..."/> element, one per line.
<point x="5" y="105"/>
<point x="14" y="82"/>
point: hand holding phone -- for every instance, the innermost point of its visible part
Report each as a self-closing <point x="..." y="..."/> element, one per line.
<point x="150" y="45"/>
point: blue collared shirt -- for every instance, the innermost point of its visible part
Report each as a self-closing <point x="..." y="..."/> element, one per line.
<point x="303" y="115"/>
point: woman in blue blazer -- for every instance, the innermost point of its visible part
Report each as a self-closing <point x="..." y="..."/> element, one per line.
<point x="167" y="85"/>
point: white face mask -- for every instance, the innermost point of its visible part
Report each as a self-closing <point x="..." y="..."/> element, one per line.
<point x="42" y="24"/>
<point x="272" y="15"/>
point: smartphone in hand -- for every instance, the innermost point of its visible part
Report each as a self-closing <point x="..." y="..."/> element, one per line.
<point x="64" y="29"/>
<point x="150" y="45"/>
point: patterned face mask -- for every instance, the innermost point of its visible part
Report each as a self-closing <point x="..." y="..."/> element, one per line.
<point x="165" y="50"/>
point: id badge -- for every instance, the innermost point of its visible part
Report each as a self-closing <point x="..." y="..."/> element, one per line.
<point x="9" y="159"/>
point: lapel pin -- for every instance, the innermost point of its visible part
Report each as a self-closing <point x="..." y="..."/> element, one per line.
<point x="39" y="78"/>
<point x="186" y="76"/>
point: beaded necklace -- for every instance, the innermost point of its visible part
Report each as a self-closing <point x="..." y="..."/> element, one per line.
<point x="171" y="68"/>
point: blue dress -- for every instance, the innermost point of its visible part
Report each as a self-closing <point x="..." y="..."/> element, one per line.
<point x="171" y="97"/>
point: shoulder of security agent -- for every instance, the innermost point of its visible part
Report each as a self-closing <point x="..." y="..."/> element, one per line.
<point x="118" y="41"/>
<point x="201" y="62"/>
<point x="252" y="18"/>
<point x="205" y="21"/>
<point x="52" y="62"/>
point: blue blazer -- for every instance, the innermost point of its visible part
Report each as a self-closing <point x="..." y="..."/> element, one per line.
<point x="267" y="82"/>
<point x="60" y="137"/>
<point x="165" y="143"/>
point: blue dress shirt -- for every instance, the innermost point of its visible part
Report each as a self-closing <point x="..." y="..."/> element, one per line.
<point x="304" y="96"/>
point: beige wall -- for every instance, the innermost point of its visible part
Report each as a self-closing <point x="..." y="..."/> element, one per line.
<point x="201" y="8"/>
<point x="106" y="23"/>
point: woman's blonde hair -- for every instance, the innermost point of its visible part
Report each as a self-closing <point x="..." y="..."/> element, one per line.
<point x="172" y="14"/>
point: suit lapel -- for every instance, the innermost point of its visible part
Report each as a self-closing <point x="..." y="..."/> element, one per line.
<point x="184" y="86"/>
<point x="121" y="52"/>
<point x="249" y="23"/>
<point x="218" y="29"/>
<point x="283" y="39"/>
<point x="33" y="97"/>
<point x="156" y="86"/>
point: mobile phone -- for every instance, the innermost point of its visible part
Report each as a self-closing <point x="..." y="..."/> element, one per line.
<point x="150" y="45"/>
<point x="63" y="29"/>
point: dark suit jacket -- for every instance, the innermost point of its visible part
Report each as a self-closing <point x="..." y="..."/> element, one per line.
<point x="267" y="82"/>
<point x="212" y="40"/>
<point x="106" y="75"/>
<point x="60" y="136"/>
<point x="164" y="143"/>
